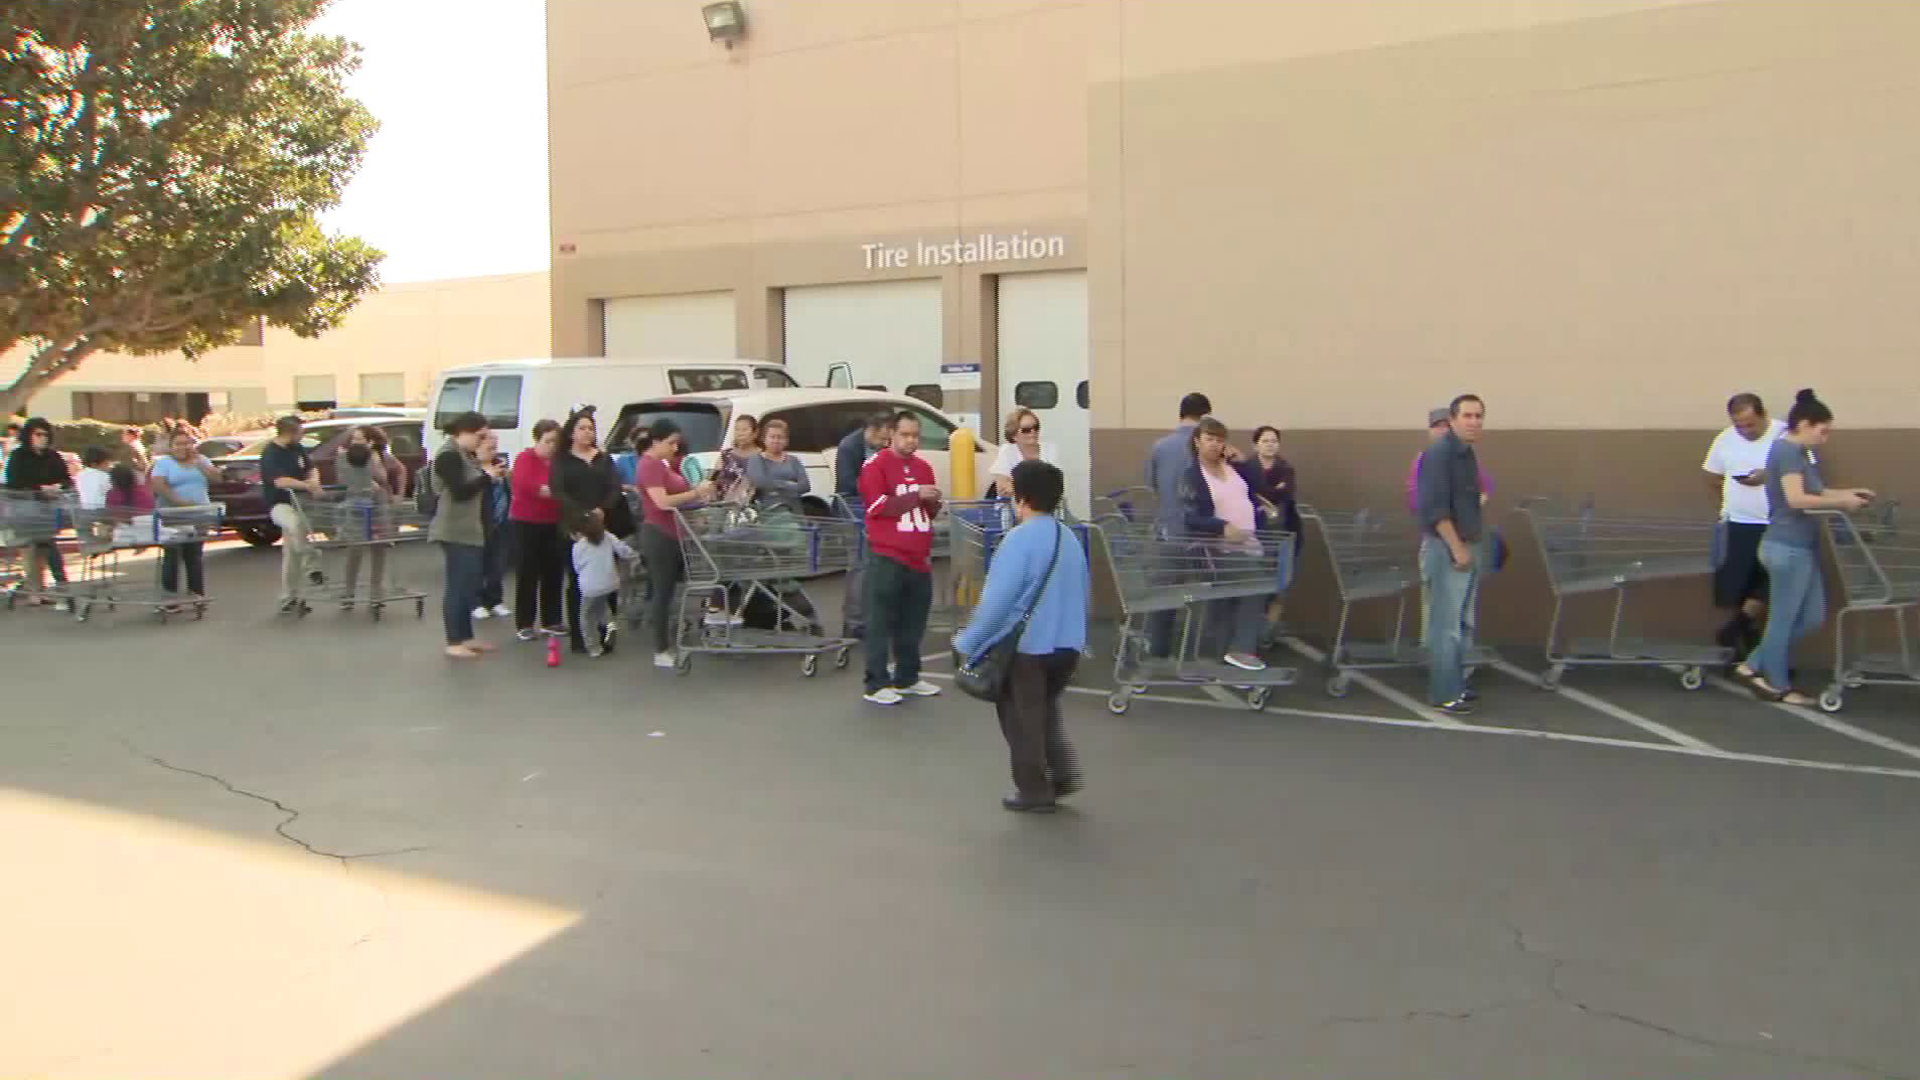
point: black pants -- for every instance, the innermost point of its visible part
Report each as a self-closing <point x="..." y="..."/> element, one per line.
<point x="193" y="556"/>
<point x="661" y="553"/>
<point x="1029" y="709"/>
<point x="493" y="573"/>
<point x="542" y="563"/>
<point x="898" y="600"/>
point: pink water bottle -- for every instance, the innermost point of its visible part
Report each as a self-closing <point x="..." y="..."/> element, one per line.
<point x="553" y="651"/>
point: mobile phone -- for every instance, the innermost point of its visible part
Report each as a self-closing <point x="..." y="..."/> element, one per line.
<point x="499" y="459"/>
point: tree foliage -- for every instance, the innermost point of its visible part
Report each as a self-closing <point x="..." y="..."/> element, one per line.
<point x="163" y="164"/>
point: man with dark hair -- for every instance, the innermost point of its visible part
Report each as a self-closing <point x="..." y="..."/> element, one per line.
<point x="286" y="467"/>
<point x="854" y="452"/>
<point x="1736" y="465"/>
<point x="1167" y="465"/>
<point x="1451" y="523"/>
<point x="901" y="498"/>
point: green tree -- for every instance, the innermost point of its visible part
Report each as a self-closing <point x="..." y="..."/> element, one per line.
<point x="162" y="167"/>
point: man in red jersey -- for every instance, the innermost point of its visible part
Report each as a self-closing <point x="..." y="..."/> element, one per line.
<point x="898" y="490"/>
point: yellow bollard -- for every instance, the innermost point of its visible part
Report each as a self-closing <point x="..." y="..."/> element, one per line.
<point x="960" y="476"/>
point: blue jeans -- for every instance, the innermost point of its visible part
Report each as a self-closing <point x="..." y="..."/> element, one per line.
<point x="1449" y="591"/>
<point x="1797" y="607"/>
<point x="466" y="570"/>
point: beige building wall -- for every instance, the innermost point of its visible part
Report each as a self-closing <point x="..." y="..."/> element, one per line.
<point x="681" y="167"/>
<point x="402" y="334"/>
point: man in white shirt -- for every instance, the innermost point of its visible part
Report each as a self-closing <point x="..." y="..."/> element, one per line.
<point x="93" y="485"/>
<point x="1736" y="464"/>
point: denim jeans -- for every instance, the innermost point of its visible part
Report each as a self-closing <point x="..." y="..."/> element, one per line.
<point x="1448" y="591"/>
<point x="466" y="565"/>
<point x="898" y="602"/>
<point x="1797" y="607"/>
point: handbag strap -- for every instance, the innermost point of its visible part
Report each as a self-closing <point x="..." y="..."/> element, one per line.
<point x="1020" y="628"/>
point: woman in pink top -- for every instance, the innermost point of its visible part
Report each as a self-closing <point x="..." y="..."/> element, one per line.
<point x="543" y="552"/>
<point x="1219" y="495"/>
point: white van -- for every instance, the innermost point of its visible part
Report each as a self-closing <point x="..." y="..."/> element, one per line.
<point x="817" y="419"/>
<point x="516" y="394"/>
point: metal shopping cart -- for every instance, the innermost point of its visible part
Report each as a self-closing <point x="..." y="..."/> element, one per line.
<point x="1135" y="504"/>
<point x="107" y="536"/>
<point x="977" y="529"/>
<point x="1586" y="553"/>
<point x="738" y="554"/>
<point x="1375" y="558"/>
<point x="349" y="531"/>
<point x="1182" y="577"/>
<point x="1879" y="571"/>
<point x="29" y="519"/>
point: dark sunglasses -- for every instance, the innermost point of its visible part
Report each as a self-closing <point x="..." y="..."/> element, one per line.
<point x="1029" y="429"/>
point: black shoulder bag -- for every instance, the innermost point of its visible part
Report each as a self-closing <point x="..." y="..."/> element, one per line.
<point x="984" y="680"/>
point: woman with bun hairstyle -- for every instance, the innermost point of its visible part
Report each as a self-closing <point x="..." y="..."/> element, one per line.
<point x="1790" y="548"/>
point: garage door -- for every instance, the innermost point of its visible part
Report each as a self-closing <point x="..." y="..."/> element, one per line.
<point x="685" y="326"/>
<point x="1043" y="366"/>
<point x="888" y="330"/>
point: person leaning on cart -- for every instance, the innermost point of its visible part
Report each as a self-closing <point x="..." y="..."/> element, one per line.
<point x="286" y="467"/>
<point x="1218" y="498"/>
<point x="183" y="478"/>
<point x="35" y="466"/>
<point x="1038" y="567"/>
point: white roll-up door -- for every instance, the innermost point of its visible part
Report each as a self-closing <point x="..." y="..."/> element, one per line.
<point x="1044" y="366"/>
<point x="684" y="326"/>
<point x="314" y="390"/>
<point x="890" y="331"/>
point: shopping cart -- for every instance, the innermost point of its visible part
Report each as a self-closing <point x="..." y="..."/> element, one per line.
<point x="736" y="555"/>
<point x="1181" y="577"/>
<point x="1136" y="504"/>
<point x="106" y="537"/>
<point x="1587" y="554"/>
<point x="352" y="530"/>
<point x="29" y="519"/>
<point x="1879" y="571"/>
<point x="977" y="529"/>
<point x="1374" y="558"/>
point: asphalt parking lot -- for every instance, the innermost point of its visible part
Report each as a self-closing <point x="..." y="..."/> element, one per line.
<point x="254" y="846"/>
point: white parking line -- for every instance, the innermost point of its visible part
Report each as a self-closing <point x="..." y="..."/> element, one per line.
<point x="1838" y="727"/>
<point x="1523" y="733"/>
<point x="1405" y="701"/>
<point x="1652" y="727"/>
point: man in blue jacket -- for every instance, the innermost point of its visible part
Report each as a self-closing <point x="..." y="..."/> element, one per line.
<point x="855" y="451"/>
<point x="1039" y="566"/>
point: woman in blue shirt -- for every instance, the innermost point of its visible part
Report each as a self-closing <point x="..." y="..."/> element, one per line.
<point x="1790" y="548"/>
<point x="1039" y="550"/>
<point x="181" y="479"/>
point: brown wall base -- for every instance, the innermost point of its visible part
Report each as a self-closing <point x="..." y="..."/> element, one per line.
<point x="1631" y="472"/>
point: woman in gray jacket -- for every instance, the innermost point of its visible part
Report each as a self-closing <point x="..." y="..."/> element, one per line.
<point x="462" y="483"/>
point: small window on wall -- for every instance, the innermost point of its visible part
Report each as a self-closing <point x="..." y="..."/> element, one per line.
<point x="314" y="392"/>
<point x="384" y="389"/>
<point x="500" y="402"/>
<point x="1080" y="395"/>
<point x="1036" y="395"/>
<point x="931" y="393"/>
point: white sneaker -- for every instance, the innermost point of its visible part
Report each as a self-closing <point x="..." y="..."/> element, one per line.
<point x="594" y="649"/>
<point x="1245" y="661"/>
<point x="663" y="660"/>
<point x="481" y="613"/>
<point x="501" y="611"/>
<point x="923" y="688"/>
<point x="886" y="695"/>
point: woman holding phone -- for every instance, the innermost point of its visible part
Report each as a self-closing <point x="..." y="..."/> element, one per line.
<point x="1790" y="548"/>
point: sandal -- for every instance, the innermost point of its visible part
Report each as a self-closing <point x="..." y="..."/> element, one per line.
<point x="461" y="652"/>
<point x="1793" y="697"/>
<point x="1767" y="693"/>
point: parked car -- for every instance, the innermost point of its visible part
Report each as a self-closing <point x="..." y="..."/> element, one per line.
<point x="240" y="488"/>
<point x="219" y="446"/>
<point x="817" y="419"/>
<point x="515" y="394"/>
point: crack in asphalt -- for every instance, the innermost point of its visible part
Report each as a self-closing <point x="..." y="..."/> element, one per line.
<point x="1555" y="965"/>
<point x="292" y="814"/>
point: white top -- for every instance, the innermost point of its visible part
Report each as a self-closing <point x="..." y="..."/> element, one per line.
<point x="593" y="564"/>
<point x="1009" y="456"/>
<point x="1733" y="455"/>
<point x="92" y="486"/>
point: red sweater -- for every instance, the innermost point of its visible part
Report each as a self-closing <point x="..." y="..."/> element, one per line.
<point x="530" y="473"/>
<point x="899" y="525"/>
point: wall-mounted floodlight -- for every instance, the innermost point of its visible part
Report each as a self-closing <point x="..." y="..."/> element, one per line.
<point x="726" y="21"/>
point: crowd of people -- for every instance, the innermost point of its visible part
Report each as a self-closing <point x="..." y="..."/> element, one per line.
<point x="559" y="518"/>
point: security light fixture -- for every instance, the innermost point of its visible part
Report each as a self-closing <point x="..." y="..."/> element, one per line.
<point x="726" y="21"/>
